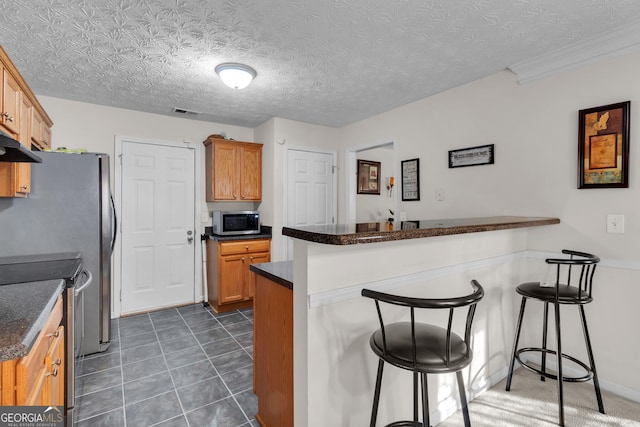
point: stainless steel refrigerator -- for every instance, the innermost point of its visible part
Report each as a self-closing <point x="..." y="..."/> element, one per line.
<point x="69" y="209"/>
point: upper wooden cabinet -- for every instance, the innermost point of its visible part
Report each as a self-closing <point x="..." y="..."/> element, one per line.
<point x="23" y="118"/>
<point x="10" y="102"/>
<point x="40" y="131"/>
<point x="233" y="170"/>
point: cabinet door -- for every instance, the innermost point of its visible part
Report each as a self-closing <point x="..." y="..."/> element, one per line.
<point x="250" y="283"/>
<point x="226" y="180"/>
<point x="23" y="170"/>
<point x="232" y="278"/>
<point x="251" y="172"/>
<point x="10" y="102"/>
<point x="53" y="390"/>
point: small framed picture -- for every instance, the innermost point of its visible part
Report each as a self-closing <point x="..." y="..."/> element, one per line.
<point x="410" y="179"/>
<point x="472" y="156"/>
<point x="368" y="177"/>
<point x="603" y="146"/>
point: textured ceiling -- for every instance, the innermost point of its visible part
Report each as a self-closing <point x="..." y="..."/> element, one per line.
<point x="328" y="62"/>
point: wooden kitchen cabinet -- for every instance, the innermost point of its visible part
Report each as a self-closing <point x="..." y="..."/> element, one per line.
<point x="11" y="93"/>
<point x="40" y="131"/>
<point x="233" y="170"/>
<point x="230" y="284"/>
<point x="23" y="118"/>
<point x="38" y="378"/>
<point x="273" y="353"/>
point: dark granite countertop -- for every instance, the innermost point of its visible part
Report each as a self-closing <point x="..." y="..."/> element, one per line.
<point x="350" y="234"/>
<point x="280" y="272"/>
<point x="24" y="310"/>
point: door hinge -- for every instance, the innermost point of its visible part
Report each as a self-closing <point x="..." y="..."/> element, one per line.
<point x="120" y="156"/>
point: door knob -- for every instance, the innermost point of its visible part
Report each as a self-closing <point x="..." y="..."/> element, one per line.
<point x="190" y="239"/>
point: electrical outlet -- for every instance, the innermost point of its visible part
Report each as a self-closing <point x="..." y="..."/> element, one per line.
<point x="615" y="223"/>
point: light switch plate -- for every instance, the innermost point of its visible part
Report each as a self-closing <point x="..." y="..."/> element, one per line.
<point x="615" y="223"/>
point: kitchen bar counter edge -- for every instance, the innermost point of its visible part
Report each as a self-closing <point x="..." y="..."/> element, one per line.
<point x="351" y="234"/>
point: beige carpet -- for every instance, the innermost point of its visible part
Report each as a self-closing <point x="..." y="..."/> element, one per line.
<point x="532" y="402"/>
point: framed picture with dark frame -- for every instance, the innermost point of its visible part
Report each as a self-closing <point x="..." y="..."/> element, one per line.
<point x="368" y="177"/>
<point x="603" y="146"/>
<point x="472" y="156"/>
<point x="410" y="170"/>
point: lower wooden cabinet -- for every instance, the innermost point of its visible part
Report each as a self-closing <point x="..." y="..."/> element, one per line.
<point x="38" y="378"/>
<point x="273" y="353"/>
<point x="230" y="284"/>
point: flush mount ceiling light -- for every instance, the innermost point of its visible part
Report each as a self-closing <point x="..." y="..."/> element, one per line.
<point x="236" y="76"/>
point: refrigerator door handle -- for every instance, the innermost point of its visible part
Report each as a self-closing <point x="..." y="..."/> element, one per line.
<point x="114" y="218"/>
<point x="86" y="284"/>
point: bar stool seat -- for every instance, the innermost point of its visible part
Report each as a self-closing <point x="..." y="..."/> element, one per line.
<point x="570" y="288"/>
<point x="423" y="348"/>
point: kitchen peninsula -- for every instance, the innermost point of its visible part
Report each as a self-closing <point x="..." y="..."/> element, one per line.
<point x="334" y="370"/>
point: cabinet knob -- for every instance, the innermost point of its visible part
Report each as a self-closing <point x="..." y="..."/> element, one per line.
<point x="10" y="119"/>
<point x="23" y="187"/>
<point x="58" y="362"/>
<point x="6" y="115"/>
<point x="53" y="373"/>
<point x="55" y="334"/>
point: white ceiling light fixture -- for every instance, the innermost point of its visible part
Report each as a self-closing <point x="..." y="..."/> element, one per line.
<point x="236" y="76"/>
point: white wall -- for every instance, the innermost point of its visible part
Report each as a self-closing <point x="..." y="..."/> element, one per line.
<point x="535" y="131"/>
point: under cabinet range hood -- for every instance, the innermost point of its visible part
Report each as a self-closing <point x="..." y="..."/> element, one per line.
<point x="12" y="151"/>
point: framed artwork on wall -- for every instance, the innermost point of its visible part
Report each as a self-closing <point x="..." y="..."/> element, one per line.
<point x="603" y="146"/>
<point x="410" y="179"/>
<point x="472" y="156"/>
<point x="368" y="177"/>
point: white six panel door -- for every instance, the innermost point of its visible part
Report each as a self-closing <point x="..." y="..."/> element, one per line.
<point x="158" y="237"/>
<point x="310" y="197"/>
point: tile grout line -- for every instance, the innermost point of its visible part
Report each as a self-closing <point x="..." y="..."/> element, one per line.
<point x="164" y="357"/>
<point x="219" y="375"/>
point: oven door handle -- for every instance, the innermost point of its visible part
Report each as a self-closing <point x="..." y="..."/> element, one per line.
<point x="86" y="284"/>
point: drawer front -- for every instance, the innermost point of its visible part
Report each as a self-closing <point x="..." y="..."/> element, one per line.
<point x="31" y="366"/>
<point x="244" y="246"/>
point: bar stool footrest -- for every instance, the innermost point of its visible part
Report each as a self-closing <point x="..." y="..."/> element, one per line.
<point x="588" y="376"/>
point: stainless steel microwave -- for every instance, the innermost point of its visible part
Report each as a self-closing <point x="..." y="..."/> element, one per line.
<point x="229" y="223"/>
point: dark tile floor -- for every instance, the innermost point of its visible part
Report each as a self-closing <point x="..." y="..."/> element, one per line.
<point x="177" y="367"/>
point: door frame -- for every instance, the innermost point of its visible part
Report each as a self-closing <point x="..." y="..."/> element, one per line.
<point x="351" y="176"/>
<point x="116" y="306"/>
<point x="285" y="198"/>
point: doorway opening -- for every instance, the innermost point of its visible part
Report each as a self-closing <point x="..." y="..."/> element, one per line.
<point x="371" y="208"/>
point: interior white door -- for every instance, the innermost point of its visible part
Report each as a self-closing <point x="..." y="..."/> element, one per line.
<point x="310" y="190"/>
<point x="158" y="237"/>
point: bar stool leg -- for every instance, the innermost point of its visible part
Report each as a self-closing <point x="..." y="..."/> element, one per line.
<point x="376" y="395"/>
<point x="415" y="397"/>
<point x="545" y="323"/>
<point x="592" y="362"/>
<point x="463" y="399"/>
<point x="425" y="401"/>
<point x="515" y="344"/>
<point x="560" y="379"/>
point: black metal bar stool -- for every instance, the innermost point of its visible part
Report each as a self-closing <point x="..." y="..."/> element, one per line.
<point x="423" y="348"/>
<point x="573" y="286"/>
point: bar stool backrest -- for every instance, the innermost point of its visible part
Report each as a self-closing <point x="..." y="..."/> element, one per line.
<point x="578" y="271"/>
<point x="430" y="303"/>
